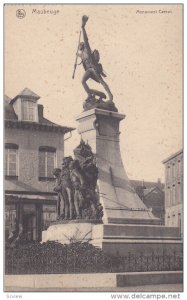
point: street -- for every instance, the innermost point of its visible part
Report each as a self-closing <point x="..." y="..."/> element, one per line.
<point x="145" y="288"/>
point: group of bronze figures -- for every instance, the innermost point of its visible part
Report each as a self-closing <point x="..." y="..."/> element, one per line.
<point x="76" y="186"/>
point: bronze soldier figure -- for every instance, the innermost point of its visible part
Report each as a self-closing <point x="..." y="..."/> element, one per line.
<point x="58" y="189"/>
<point x="93" y="69"/>
<point x="65" y="205"/>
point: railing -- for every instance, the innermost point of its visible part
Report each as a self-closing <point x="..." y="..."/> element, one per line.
<point x="60" y="264"/>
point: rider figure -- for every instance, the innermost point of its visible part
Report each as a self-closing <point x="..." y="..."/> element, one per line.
<point x="90" y="61"/>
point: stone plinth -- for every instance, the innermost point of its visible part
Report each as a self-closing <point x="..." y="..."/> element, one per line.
<point x="117" y="239"/>
<point x="122" y="239"/>
<point x="100" y="128"/>
<point x="69" y="231"/>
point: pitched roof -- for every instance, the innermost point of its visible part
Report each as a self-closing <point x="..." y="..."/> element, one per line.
<point x="9" y="113"/>
<point x="11" y="117"/>
<point x="154" y="196"/>
<point x="26" y="93"/>
<point x="147" y="191"/>
<point x="147" y="184"/>
<point x="172" y="156"/>
<point x="154" y="190"/>
<point x="45" y="121"/>
<point x="7" y="99"/>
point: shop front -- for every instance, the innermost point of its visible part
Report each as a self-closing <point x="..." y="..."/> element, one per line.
<point x="34" y="215"/>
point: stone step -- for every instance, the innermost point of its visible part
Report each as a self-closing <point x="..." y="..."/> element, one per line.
<point x="149" y="278"/>
<point x="139" y="231"/>
<point x="122" y="237"/>
<point x="122" y="247"/>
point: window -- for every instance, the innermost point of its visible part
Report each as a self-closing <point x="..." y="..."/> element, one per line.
<point x="47" y="162"/>
<point x="179" y="168"/>
<point x="168" y="172"/>
<point x="180" y="223"/>
<point x="168" y="221"/>
<point x="173" y="195"/>
<point x="168" y="198"/>
<point x="28" y="110"/>
<point x="11" y="161"/>
<point x="173" y="170"/>
<point x="179" y="189"/>
<point x="10" y="217"/>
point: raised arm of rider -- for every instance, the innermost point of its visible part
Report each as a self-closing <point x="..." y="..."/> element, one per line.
<point x="85" y="38"/>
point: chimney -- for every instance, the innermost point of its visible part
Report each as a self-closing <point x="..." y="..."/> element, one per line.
<point x="40" y="111"/>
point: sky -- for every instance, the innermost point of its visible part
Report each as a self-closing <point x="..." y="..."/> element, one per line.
<point x="141" y="54"/>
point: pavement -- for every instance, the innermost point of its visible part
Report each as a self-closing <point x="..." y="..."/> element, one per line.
<point x="145" y="288"/>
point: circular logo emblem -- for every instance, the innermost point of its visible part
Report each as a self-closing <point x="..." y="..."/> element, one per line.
<point x="20" y="13"/>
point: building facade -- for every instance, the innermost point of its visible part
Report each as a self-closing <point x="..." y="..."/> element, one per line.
<point x="34" y="146"/>
<point x="154" y="200"/>
<point x="174" y="190"/>
<point x="152" y="194"/>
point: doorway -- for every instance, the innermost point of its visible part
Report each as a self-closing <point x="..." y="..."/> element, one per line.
<point x="29" y="226"/>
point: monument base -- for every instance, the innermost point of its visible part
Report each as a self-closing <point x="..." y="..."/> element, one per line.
<point x="120" y="240"/>
<point x="116" y="239"/>
<point x="66" y="232"/>
<point x="121" y="204"/>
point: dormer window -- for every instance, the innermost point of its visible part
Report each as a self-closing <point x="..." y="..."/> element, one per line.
<point x="29" y="110"/>
<point x="25" y="106"/>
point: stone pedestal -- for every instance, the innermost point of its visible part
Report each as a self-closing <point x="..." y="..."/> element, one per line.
<point x="128" y="225"/>
<point x="122" y="239"/>
<point x="100" y="128"/>
<point x="69" y="232"/>
<point x="117" y="239"/>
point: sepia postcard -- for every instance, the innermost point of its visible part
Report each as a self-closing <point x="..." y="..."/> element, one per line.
<point x="93" y="148"/>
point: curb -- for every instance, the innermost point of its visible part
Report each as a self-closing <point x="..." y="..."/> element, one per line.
<point x="93" y="280"/>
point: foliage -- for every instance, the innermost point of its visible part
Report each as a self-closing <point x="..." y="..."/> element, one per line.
<point x="53" y="257"/>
